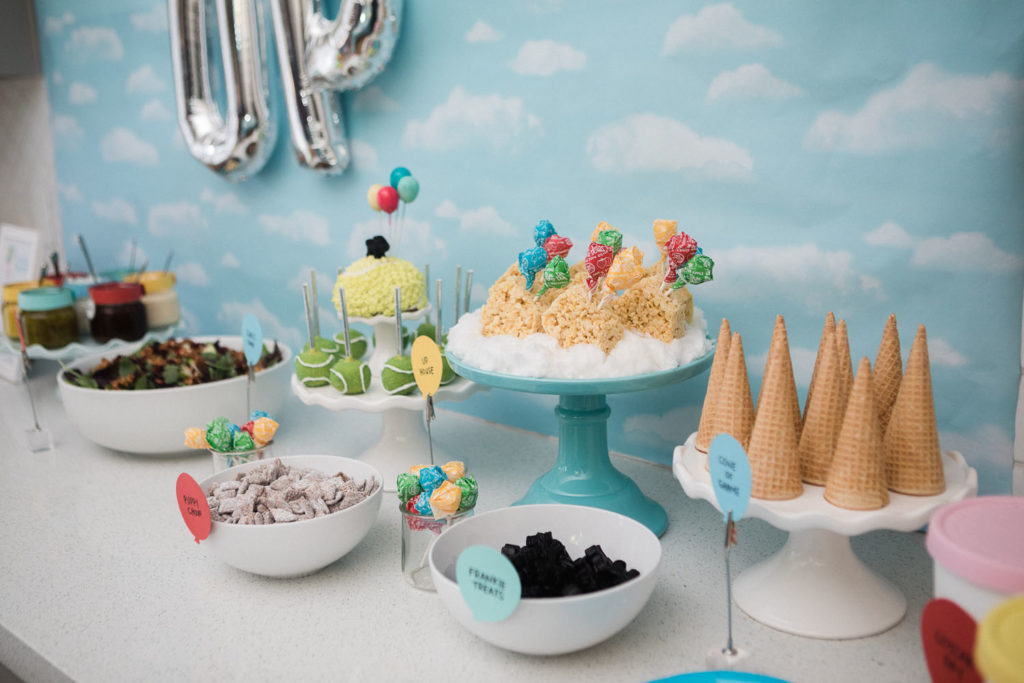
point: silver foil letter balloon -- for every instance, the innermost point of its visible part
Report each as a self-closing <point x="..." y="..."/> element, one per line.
<point x="235" y="143"/>
<point x="319" y="58"/>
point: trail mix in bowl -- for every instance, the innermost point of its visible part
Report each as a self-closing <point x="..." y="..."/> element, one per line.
<point x="171" y="363"/>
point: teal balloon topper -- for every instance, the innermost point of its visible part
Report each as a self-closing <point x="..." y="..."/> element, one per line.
<point x="730" y="475"/>
<point x="488" y="582"/>
<point x="252" y="339"/>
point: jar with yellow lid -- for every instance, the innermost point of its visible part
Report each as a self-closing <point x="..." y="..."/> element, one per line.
<point x="10" y="305"/>
<point x="160" y="298"/>
<point x="48" y="317"/>
<point x="999" y="644"/>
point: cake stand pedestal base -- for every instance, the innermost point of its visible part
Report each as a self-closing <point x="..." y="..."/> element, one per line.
<point x="583" y="473"/>
<point x="851" y="601"/>
<point x="403" y="443"/>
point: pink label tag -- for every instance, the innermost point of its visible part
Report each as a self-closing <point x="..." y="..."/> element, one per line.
<point x="947" y="634"/>
<point x="193" y="506"/>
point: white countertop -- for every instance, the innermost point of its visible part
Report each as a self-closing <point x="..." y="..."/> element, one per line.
<point x="101" y="581"/>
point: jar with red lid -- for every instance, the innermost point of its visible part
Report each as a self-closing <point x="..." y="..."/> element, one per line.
<point x="119" y="312"/>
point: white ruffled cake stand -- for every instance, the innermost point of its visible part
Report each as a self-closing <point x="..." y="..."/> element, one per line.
<point x="815" y="586"/>
<point x="403" y="436"/>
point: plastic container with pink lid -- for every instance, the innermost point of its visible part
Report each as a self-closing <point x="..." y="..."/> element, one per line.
<point x="978" y="548"/>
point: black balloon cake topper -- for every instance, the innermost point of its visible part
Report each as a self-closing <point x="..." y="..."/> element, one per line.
<point x="377" y="246"/>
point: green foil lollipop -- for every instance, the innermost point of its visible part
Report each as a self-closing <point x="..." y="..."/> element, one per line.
<point x="243" y="442"/>
<point x="219" y="436"/>
<point x="695" y="271"/>
<point x="613" y="238"/>
<point x="469" y="491"/>
<point x="408" y="486"/>
<point x="556" y="275"/>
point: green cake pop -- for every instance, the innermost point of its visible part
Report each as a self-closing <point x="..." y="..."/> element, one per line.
<point x="357" y="341"/>
<point x="397" y="376"/>
<point x="312" y="366"/>
<point x="349" y="375"/>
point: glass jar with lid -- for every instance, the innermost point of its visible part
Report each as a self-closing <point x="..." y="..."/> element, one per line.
<point x="119" y="313"/>
<point x="159" y="297"/>
<point x="48" y="317"/>
<point x="10" y="305"/>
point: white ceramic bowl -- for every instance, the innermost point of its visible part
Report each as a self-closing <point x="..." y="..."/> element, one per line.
<point x="295" y="548"/>
<point x="154" y="421"/>
<point x="552" y="626"/>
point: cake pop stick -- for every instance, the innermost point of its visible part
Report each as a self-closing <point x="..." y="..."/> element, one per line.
<point x="426" y="279"/>
<point x="316" y="307"/>
<point x="458" y="281"/>
<point x="85" y="253"/>
<point x="344" y="323"/>
<point x="348" y="374"/>
<point x="397" y="376"/>
<point x="469" y="289"/>
<point x="309" y="315"/>
<point x="437" y="311"/>
<point x="400" y="341"/>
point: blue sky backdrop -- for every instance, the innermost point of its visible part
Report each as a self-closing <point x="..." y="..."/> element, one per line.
<point x="864" y="158"/>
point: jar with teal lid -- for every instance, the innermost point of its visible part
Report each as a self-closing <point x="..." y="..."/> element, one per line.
<point x="48" y="317"/>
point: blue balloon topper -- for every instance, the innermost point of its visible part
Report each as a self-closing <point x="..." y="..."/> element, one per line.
<point x="252" y="339"/>
<point x="397" y="174"/>
<point x="408" y="189"/>
<point x="730" y="475"/>
<point x="488" y="582"/>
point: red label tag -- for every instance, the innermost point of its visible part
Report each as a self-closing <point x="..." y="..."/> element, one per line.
<point x="194" y="508"/>
<point x="947" y="634"/>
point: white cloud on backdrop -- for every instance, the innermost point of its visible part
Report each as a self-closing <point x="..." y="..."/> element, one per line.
<point x="70" y="192"/>
<point x="153" y="21"/>
<point x="940" y="352"/>
<point x="801" y="357"/>
<point x="154" y="110"/>
<point x="716" y="27"/>
<point x="658" y="429"/>
<point x="373" y="99"/>
<point x="484" y="220"/>
<point x="751" y="82"/>
<point x="123" y="146"/>
<point x="988" y="447"/>
<point x="414" y="237"/>
<point x="230" y="260"/>
<point x="192" y="273"/>
<point x="116" y="210"/>
<point x="232" y="312"/>
<point x="81" y="93"/>
<point x="652" y="143"/>
<point x="144" y="80"/>
<point x="223" y="203"/>
<point x="546" y="58"/>
<point x="66" y="129"/>
<point x="56" y="24"/>
<point x="482" y="33"/>
<point x="929" y="104"/>
<point x="805" y="271"/>
<point x="465" y="119"/>
<point x="300" y="225"/>
<point x="363" y="154"/>
<point x="95" y="42"/>
<point x="176" y="219"/>
<point x="959" y="252"/>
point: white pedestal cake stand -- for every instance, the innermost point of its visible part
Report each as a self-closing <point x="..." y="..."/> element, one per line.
<point x="815" y="586"/>
<point x="403" y="437"/>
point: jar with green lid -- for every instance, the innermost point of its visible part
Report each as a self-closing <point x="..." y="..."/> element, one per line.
<point x="10" y="305"/>
<point x="48" y="317"/>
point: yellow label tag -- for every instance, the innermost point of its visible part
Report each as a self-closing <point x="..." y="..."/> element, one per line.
<point x="426" y="365"/>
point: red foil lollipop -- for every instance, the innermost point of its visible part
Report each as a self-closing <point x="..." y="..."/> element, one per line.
<point x="679" y="249"/>
<point x="598" y="261"/>
<point x="556" y="245"/>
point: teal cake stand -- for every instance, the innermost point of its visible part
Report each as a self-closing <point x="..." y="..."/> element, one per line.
<point x="583" y="473"/>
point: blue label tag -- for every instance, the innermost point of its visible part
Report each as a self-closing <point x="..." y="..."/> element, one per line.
<point x="730" y="475"/>
<point x="252" y="339"/>
<point x="488" y="582"/>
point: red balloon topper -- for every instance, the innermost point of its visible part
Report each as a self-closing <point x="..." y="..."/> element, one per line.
<point x="387" y="198"/>
<point x="193" y="506"/>
<point x="947" y="634"/>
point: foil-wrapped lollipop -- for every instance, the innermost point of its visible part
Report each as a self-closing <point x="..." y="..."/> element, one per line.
<point x="601" y="227"/>
<point x="679" y="249"/>
<point x="531" y="262"/>
<point x="626" y="270"/>
<point x="613" y="238"/>
<point x="556" y="275"/>
<point x="598" y="261"/>
<point x="542" y="232"/>
<point x="663" y="232"/>
<point x="695" y="271"/>
<point x="556" y="245"/>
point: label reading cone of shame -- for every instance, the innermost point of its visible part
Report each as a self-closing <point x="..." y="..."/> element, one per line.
<point x="426" y="365"/>
<point x="947" y="636"/>
<point x="488" y="582"/>
<point x="193" y="506"/>
<point x="730" y="475"/>
<point x="252" y="339"/>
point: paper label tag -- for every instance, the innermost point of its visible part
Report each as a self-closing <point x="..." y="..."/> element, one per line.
<point x="193" y="506"/>
<point x="730" y="475"/>
<point x="252" y="339"/>
<point x="426" y="365"/>
<point x="488" y="582"/>
<point x="947" y="636"/>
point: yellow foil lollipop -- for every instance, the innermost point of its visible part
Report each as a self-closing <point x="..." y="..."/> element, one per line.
<point x="626" y="270"/>
<point x="195" y="437"/>
<point x="454" y="469"/>
<point x="263" y="430"/>
<point x="444" y="501"/>
<point x="663" y="231"/>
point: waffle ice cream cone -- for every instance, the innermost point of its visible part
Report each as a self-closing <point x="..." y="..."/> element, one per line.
<point x="774" y="463"/>
<point x="830" y="327"/>
<point x="734" y="409"/>
<point x="823" y="416"/>
<point x="704" y="435"/>
<point x="910" y="447"/>
<point x="779" y="349"/>
<point x="888" y="372"/>
<point x="856" y="478"/>
<point x="845" y="364"/>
